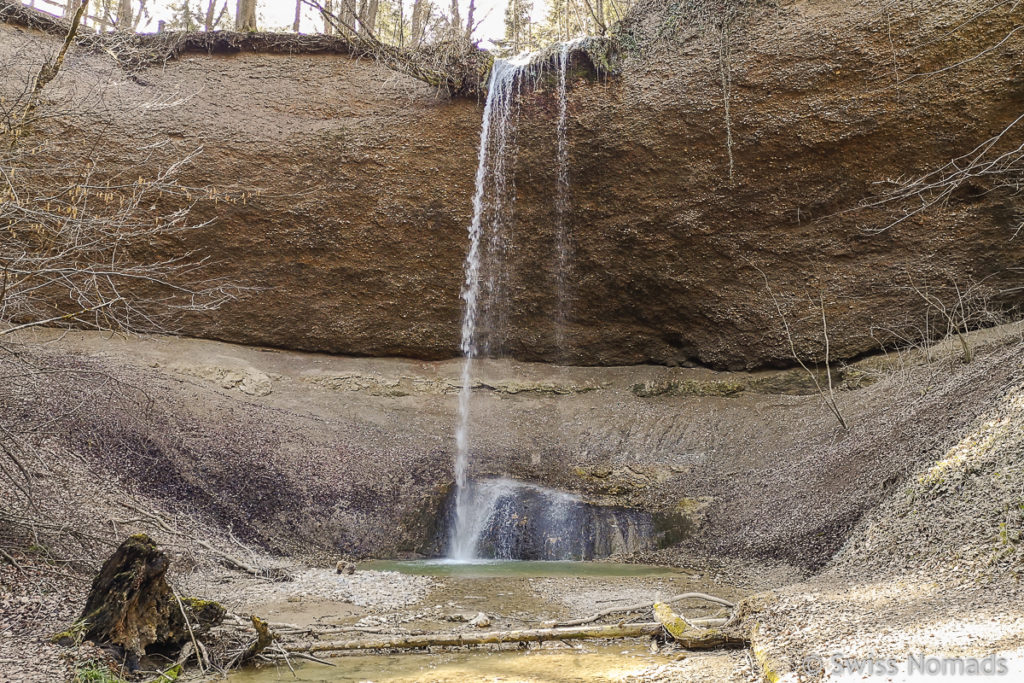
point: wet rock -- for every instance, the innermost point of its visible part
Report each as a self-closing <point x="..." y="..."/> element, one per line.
<point x="522" y="521"/>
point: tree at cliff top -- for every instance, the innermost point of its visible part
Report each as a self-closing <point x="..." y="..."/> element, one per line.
<point x="74" y="225"/>
<point x="518" y="27"/>
<point x="245" y="15"/>
<point x="565" y="20"/>
<point x="189" y="15"/>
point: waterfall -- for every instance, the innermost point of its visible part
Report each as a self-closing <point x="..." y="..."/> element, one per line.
<point x="490" y="174"/>
<point x="563" y="242"/>
<point x="483" y="289"/>
<point x="513" y="520"/>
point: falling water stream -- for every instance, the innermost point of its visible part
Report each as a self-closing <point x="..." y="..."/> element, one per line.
<point x="500" y="518"/>
<point x="503" y="518"/>
<point x="490" y="174"/>
<point x="562" y="203"/>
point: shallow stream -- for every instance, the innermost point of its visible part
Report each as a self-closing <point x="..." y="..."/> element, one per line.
<point x="513" y="595"/>
<point x="564" y="663"/>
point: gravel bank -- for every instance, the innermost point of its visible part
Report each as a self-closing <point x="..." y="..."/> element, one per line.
<point x="933" y="571"/>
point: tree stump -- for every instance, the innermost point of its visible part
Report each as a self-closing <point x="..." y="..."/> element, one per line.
<point x="132" y="606"/>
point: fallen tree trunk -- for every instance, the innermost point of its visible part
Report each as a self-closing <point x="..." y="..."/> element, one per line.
<point x="692" y="637"/>
<point x="643" y="606"/>
<point x="488" y="638"/>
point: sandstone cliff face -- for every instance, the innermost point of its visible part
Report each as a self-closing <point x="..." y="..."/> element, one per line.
<point x="356" y="237"/>
<point x="672" y="254"/>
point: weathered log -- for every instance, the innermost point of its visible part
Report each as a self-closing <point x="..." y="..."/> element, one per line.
<point x="692" y="637"/>
<point x="486" y="638"/>
<point x="131" y="605"/>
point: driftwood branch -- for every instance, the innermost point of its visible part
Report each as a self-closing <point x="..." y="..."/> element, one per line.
<point x="228" y="560"/>
<point x="10" y="559"/>
<point x="264" y="637"/>
<point x="643" y="606"/>
<point x="697" y="634"/>
<point x="690" y="636"/>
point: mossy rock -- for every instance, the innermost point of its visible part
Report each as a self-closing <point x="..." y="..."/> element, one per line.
<point x="73" y="636"/>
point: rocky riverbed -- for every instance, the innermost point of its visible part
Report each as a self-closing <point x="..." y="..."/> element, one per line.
<point x="469" y="599"/>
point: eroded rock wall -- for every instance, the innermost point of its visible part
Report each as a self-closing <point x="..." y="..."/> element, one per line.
<point x="355" y="238"/>
<point x="354" y="455"/>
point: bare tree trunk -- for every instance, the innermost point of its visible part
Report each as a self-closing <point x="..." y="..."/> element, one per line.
<point x="69" y="8"/>
<point x="602" y="24"/>
<point x="347" y="13"/>
<point x="298" y="16"/>
<point x="469" y="19"/>
<point x="417" y="23"/>
<point x="245" y="15"/>
<point x="139" y="15"/>
<point x="208" y="20"/>
<point x="328" y="9"/>
<point x="456" y="16"/>
<point x="400" y="28"/>
<point x="367" y="17"/>
<point x="124" y="15"/>
<point x="102" y="20"/>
